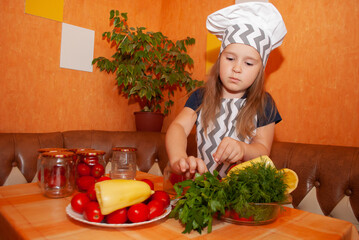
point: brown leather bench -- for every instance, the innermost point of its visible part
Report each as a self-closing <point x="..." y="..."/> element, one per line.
<point x="328" y="175"/>
<point x="21" y="149"/>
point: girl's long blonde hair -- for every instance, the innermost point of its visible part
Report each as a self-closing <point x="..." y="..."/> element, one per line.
<point x="255" y="103"/>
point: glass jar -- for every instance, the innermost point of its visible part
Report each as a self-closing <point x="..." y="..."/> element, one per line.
<point x="75" y="150"/>
<point x="41" y="151"/>
<point x="57" y="171"/>
<point x="123" y="163"/>
<point x="90" y="166"/>
<point x="170" y="179"/>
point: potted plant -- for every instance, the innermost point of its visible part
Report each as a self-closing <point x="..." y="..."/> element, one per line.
<point x="148" y="66"/>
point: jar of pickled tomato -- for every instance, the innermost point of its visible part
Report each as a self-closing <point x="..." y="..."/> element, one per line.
<point x="41" y="151"/>
<point x="57" y="174"/>
<point x="90" y="166"/>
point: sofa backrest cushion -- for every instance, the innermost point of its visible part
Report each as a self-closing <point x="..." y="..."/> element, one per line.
<point x="20" y="150"/>
<point x="333" y="171"/>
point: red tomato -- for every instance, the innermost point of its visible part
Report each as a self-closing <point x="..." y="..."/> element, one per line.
<point x="57" y="177"/>
<point x="236" y="216"/>
<point x="97" y="170"/>
<point x="79" y="201"/>
<point x="90" y="160"/>
<point x="46" y="173"/>
<point x="175" y="178"/>
<point x="91" y="193"/>
<point x="58" y="170"/>
<point x="162" y="196"/>
<point x="83" y="169"/>
<point x="117" y="217"/>
<point x="54" y="181"/>
<point x="85" y="182"/>
<point x="156" y="208"/>
<point x="243" y="219"/>
<point x="103" y="178"/>
<point x="149" y="182"/>
<point x="138" y="213"/>
<point x="92" y="212"/>
<point x="227" y="213"/>
<point x="39" y="176"/>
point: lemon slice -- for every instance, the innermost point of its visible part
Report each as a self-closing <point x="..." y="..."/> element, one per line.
<point x="291" y="179"/>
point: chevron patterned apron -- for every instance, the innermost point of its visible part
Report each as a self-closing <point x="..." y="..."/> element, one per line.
<point x="224" y="126"/>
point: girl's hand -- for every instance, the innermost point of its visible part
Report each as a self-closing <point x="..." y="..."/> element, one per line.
<point x="229" y="150"/>
<point x="189" y="166"/>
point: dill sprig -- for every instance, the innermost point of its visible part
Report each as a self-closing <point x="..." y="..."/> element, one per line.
<point x="258" y="183"/>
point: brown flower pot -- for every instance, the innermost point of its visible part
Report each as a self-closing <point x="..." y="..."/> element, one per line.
<point x="148" y="121"/>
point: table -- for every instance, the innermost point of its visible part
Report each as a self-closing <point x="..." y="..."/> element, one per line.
<point x="26" y="214"/>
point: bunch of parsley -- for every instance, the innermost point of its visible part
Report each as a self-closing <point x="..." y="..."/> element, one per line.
<point x="200" y="199"/>
<point x="204" y="196"/>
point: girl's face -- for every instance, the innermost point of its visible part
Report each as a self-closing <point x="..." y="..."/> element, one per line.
<point x="239" y="66"/>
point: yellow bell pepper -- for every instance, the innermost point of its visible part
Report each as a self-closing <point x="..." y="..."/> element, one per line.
<point x="119" y="193"/>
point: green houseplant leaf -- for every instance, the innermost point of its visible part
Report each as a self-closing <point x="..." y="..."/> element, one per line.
<point x="147" y="64"/>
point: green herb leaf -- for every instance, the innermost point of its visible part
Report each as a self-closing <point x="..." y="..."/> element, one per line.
<point x="163" y="62"/>
<point x="206" y="195"/>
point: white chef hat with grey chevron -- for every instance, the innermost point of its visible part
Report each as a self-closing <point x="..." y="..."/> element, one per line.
<point x="257" y="24"/>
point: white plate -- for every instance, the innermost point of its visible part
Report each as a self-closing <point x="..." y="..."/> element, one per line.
<point x="79" y="217"/>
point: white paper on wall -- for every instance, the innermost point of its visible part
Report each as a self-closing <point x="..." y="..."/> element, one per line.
<point x="77" y="47"/>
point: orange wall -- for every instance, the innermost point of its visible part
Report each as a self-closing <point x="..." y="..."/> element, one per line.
<point x="313" y="76"/>
<point x="38" y="95"/>
<point x="316" y="85"/>
<point x="182" y="18"/>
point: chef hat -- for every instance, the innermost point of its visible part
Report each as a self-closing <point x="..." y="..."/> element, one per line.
<point x="257" y="24"/>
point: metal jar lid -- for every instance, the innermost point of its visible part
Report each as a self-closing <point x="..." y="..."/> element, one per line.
<point x="91" y="152"/>
<point x="58" y="154"/>
<point x="42" y="150"/>
<point x="76" y="150"/>
<point x="124" y="149"/>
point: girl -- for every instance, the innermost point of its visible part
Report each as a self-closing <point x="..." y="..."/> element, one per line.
<point x="235" y="118"/>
